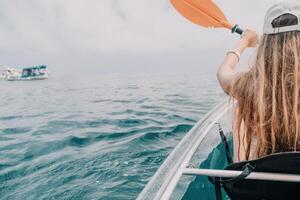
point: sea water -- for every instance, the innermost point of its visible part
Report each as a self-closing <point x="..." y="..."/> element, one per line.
<point x="95" y="137"/>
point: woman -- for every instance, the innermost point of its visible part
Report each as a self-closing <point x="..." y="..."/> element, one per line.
<point x="267" y="111"/>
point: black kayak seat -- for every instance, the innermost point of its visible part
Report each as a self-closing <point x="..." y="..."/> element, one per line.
<point x="241" y="188"/>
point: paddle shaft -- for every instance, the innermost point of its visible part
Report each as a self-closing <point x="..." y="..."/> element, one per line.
<point x="237" y="29"/>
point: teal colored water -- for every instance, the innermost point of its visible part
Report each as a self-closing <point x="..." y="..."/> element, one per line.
<point x="95" y="137"/>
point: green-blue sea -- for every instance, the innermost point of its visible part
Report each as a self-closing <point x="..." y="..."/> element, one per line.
<point x="100" y="136"/>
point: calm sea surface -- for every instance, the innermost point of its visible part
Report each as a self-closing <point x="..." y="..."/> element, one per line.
<point x="99" y="137"/>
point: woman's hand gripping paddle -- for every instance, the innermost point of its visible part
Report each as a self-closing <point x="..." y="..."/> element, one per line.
<point x="204" y="13"/>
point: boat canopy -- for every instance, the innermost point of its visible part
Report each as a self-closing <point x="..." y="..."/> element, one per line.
<point x="34" y="71"/>
<point x="35" y="67"/>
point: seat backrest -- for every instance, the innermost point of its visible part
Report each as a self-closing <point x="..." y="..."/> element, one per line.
<point x="246" y="189"/>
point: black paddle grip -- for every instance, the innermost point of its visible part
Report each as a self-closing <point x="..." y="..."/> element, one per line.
<point x="237" y="29"/>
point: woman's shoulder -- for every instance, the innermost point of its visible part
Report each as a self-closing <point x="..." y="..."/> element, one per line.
<point x="244" y="83"/>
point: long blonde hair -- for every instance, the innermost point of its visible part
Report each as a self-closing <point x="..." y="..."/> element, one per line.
<point x="268" y="97"/>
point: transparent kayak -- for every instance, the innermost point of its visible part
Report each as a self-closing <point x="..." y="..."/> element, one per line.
<point x="200" y="148"/>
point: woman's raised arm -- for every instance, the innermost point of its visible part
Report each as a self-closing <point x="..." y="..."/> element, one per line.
<point x="227" y="72"/>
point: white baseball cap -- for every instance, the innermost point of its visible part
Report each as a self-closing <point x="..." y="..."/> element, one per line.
<point x="283" y="17"/>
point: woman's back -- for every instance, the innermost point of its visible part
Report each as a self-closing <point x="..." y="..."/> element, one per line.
<point x="267" y="117"/>
<point x="268" y="96"/>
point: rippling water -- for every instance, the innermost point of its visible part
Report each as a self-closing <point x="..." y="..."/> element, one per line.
<point x="97" y="137"/>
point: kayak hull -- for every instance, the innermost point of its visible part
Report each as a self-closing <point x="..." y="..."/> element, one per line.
<point x="193" y="149"/>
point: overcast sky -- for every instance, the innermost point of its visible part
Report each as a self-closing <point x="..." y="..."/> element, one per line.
<point x="116" y="34"/>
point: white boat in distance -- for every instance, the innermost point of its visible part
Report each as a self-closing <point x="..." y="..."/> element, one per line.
<point x="29" y="73"/>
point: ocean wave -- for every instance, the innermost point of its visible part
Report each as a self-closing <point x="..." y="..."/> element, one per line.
<point x="98" y="141"/>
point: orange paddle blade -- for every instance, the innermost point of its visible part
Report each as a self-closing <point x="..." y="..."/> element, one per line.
<point x="202" y="12"/>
